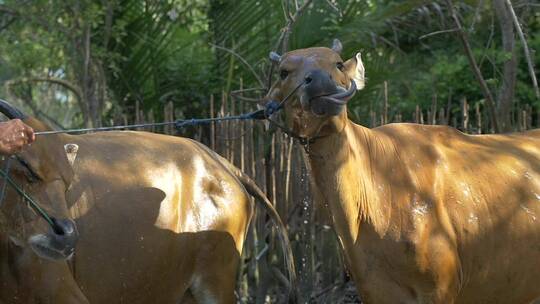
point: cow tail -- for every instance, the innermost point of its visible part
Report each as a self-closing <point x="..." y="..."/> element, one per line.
<point x="256" y="192"/>
<point x="252" y="188"/>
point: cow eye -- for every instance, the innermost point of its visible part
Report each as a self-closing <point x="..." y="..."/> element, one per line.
<point x="340" y="66"/>
<point x="283" y="74"/>
<point x="30" y="175"/>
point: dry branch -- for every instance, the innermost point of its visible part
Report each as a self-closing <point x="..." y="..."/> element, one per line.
<point x="477" y="73"/>
<point x="438" y="32"/>
<point x="244" y="61"/>
<point x="35" y="19"/>
<point x="525" y="48"/>
<point x="62" y="82"/>
<point x="283" y="39"/>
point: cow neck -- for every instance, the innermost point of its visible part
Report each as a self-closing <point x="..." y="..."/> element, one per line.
<point x="343" y="168"/>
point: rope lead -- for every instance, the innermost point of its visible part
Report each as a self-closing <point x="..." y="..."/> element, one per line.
<point x="33" y="204"/>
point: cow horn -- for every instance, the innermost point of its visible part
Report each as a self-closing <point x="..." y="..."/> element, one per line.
<point x="337" y="46"/>
<point x="10" y="111"/>
<point x="275" y="57"/>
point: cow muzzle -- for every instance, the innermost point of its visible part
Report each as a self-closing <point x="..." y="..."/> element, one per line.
<point x="59" y="243"/>
<point x="323" y="96"/>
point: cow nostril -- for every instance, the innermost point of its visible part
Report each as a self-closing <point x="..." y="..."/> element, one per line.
<point x="63" y="227"/>
<point x="58" y="229"/>
<point x="308" y="79"/>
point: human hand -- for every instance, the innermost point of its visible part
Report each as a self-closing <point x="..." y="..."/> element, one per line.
<point x="14" y="136"/>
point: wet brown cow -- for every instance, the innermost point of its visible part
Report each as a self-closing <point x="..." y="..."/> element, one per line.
<point x="31" y="253"/>
<point x="161" y="219"/>
<point x="424" y="214"/>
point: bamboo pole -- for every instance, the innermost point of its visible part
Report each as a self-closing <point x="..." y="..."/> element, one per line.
<point x="288" y="175"/>
<point x="151" y="119"/>
<point x="213" y="124"/>
<point x="171" y="117"/>
<point x="137" y="113"/>
<point x="385" y="107"/>
<point x="433" y="119"/>
<point x="465" y="115"/>
<point x="222" y="129"/>
<point x="232" y="132"/>
<point x="529" y="117"/>
<point x="478" y="118"/>
<point x="442" y="117"/>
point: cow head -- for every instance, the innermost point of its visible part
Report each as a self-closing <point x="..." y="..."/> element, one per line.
<point x="43" y="171"/>
<point x="324" y="84"/>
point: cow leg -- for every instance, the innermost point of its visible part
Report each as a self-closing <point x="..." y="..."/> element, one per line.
<point x="445" y="265"/>
<point x="215" y="279"/>
<point x="215" y="287"/>
<point x="386" y="292"/>
<point x="438" y="284"/>
<point x="381" y="289"/>
<point x="188" y="298"/>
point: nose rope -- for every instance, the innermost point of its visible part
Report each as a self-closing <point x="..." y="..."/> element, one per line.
<point x="33" y="204"/>
<point x="273" y="107"/>
<point x="4" y="184"/>
<point x="292" y="92"/>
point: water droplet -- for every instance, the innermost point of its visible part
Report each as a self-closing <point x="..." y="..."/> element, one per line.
<point x="529" y="212"/>
<point x="472" y="218"/>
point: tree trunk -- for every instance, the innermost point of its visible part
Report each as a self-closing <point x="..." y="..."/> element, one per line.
<point x="505" y="97"/>
<point x="90" y="77"/>
<point x="94" y="93"/>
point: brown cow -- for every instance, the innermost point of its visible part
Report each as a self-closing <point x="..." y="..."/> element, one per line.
<point x="161" y="219"/>
<point x="45" y="172"/>
<point x="424" y="214"/>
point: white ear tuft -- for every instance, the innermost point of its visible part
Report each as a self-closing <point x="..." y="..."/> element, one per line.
<point x="71" y="152"/>
<point x="359" y="76"/>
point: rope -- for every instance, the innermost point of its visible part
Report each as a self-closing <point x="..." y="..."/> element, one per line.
<point x="271" y="108"/>
<point x="179" y="123"/>
<point x="4" y="184"/>
<point x="33" y="204"/>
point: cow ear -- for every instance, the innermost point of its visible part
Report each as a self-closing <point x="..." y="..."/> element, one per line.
<point x="274" y="57"/>
<point x="354" y="67"/>
<point x="337" y="46"/>
<point x="71" y="152"/>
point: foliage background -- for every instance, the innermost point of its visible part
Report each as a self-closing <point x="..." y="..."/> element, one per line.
<point x="159" y="51"/>
<point x="76" y="63"/>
